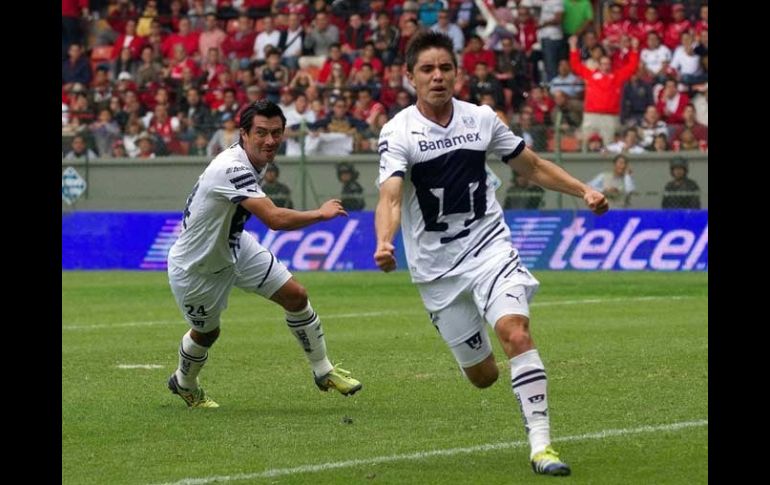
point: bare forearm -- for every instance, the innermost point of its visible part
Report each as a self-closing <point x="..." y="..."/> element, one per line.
<point x="547" y="174"/>
<point x="282" y="219"/>
<point x="551" y="176"/>
<point x="387" y="218"/>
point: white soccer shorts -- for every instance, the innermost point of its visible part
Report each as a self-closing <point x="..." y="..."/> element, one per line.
<point x="459" y="305"/>
<point x="203" y="297"/>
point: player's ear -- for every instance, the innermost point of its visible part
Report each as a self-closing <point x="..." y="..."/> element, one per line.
<point x="410" y="78"/>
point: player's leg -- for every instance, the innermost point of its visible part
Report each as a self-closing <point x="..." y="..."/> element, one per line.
<point x="463" y="330"/>
<point x="201" y="298"/>
<point x="506" y="305"/>
<point x="260" y="272"/>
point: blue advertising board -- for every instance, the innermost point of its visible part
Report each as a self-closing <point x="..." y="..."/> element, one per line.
<point x="673" y="240"/>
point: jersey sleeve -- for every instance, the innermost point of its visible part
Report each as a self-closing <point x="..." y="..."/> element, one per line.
<point x="504" y="143"/>
<point x="393" y="155"/>
<point x="236" y="182"/>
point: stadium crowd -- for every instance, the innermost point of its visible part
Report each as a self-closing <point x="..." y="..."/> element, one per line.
<point x="149" y="78"/>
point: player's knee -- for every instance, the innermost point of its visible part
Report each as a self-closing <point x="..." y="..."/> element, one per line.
<point x="514" y="330"/>
<point x="205" y="339"/>
<point x="296" y="299"/>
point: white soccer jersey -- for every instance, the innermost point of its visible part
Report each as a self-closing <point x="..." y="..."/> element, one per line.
<point x="449" y="212"/>
<point x="213" y="217"/>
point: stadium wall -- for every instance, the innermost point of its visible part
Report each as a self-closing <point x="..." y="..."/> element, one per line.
<point x="673" y="240"/>
<point x="162" y="184"/>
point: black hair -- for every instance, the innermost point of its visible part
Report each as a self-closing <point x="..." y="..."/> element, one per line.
<point x="263" y="107"/>
<point x="343" y="167"/>
<point x="424" y="41"/>
<point x="679" y="162"/>
<point x="630" y="129"/>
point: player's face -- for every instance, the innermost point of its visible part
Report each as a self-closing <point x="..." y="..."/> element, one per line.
<point x="433" y="76"/>
<point x="263" y="140"/>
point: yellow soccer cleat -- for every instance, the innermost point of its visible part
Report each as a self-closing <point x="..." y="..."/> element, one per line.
<point x="340" y="380"/>
<point x="194" y="399"/>
<point x="547" y="462"/>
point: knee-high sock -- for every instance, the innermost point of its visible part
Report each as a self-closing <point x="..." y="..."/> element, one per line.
<point x="529" y="384"/>
<point x="306" y="327"/>
<point x="192" y="357"/>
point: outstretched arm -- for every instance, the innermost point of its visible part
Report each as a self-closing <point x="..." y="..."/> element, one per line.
<point x="387" y="218"/>
<point x="278" y="218"/>
<point x="551" y="176"/>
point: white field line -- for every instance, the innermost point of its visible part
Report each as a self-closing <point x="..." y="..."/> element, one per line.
<point x="139" y="366"/>
<point x="149" y="323"/>
<point x="420" y="455"/>
<point x="178" y="321"/>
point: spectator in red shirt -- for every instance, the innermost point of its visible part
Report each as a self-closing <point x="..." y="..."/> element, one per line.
<point x="368" y="57"/>
<point x="672" y="36"/>
<point x="615" y="28"/>
<point x="212" y="66"/>
<point x="119" y="13"/>
<point x="299" y="7"/>
<point x="703" y="22"/>
<point x="651" y="23"/>
<point x="180" y="62"/>
<point x="699" y="131"/>
<point x="239" y="45"/>
<point x="687" y="141"/>
<point x="603" y="90"/>
<point x="166" y="128"/>
<point x="335" y="57"/>
<point x="634" y="9"/>
<point x="366" y="108"/>
<point x="634" y="16"/>
<point x="527" y="29"/>
<point x="392" y="84"/>
<point x="128" y="39"/>
<point x="185" y="36"/>
<point x="619" y="56"/>
<point x="475" y="53"/>
<point x="541" y="105"/>
<point x="671" y="103"/>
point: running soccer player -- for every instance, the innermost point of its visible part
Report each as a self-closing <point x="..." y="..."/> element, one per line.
<point x="458" y="247"/>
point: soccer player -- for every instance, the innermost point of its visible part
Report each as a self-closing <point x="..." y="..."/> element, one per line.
<point x="213" y="254"/>
<point x="458" y="246"/>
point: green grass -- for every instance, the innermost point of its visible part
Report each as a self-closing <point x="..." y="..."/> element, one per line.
<point x="637" y="358"/>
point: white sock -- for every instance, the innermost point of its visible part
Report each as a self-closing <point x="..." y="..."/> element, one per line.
<point x="306" y="327"/>
<point x="529" y="383"/>
<point x="192" y="357"/>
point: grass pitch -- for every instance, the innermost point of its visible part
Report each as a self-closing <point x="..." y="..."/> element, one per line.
<point x="622" y="351"/>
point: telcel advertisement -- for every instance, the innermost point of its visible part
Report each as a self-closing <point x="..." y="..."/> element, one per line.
<point x="673" y="240"/>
